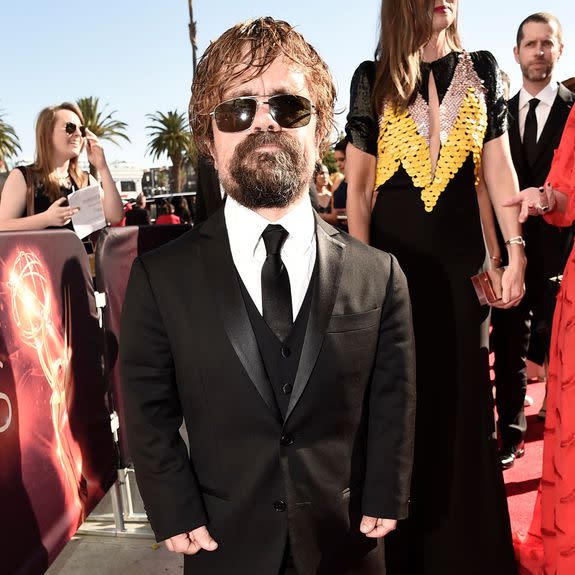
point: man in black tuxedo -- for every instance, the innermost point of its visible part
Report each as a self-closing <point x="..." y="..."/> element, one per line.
<point x="537" y="115"/>
<point x="292" y="365"/>
<point x="138" y="215"/>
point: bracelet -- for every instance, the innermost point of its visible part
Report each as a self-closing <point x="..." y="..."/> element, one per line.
<point x="495" y="258"/>
<point x="515" y="240"/>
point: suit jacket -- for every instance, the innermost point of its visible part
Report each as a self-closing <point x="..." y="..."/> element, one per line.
<point x="138" y="217"/>
<point x="208" y="193"/>
<point x="349" y="422"/>
<point x="544" y="242"/>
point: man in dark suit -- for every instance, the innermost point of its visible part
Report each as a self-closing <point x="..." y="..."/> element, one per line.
<point x="292" y="367"/>
<point x="138" y="215"/>
<point x="537" y="115"/>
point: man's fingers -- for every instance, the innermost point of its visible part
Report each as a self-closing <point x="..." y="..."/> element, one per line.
<point x="367" y="523"/>
<point x="178" y="543"/>
<point x="192" y="542"/>
<point x="375" y="527"/>
<point x="202" y="536"/>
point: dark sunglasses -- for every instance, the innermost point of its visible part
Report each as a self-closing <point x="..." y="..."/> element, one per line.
<point x="288" y="110"/>
<point x="70" y="128"/>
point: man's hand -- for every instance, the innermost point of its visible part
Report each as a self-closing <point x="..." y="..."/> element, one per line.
<point x="192" y="542"/>
<point x="376" y="527"/>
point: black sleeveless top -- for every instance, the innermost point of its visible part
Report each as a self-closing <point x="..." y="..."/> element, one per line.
<point x="41" y="199"/>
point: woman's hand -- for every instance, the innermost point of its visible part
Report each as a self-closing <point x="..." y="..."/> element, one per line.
<point x="95" y="151"/>
<point x="512" y="281"/>
<point x="533" y="202"/>
<point x="58" y="215"/>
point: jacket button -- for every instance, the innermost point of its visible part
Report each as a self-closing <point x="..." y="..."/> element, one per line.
<point x="280" y="505"/>
<point x="287" y="388"/>
<point x="286" y="352"/>
<point x="287" y="439"/>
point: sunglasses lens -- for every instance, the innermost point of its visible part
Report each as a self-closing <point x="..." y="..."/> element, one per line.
<point x="70" y="128"/>
<point x="235" y="115"/>
<point x="290" y="111"/>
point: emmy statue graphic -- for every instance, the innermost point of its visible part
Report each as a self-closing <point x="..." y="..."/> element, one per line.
<point x="35" y="316"/>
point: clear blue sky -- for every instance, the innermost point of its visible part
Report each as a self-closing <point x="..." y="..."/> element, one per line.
<point x="135" y="55"/>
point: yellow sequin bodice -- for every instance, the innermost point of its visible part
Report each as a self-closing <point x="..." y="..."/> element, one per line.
<point x="402" y="141"/>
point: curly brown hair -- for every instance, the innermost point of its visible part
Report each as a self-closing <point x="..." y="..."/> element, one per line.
<point x="243" y="53"/>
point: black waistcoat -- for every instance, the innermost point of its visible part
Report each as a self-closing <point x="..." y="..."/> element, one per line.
<point x="281" y="359"/>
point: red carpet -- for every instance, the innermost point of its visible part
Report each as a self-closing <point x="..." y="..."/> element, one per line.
<point x="522" y="480"/>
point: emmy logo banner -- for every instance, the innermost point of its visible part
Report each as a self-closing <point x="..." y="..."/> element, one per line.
<point x="54" y="427"/>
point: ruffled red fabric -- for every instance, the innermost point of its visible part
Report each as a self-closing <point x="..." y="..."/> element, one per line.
<point x="549" y="546"/>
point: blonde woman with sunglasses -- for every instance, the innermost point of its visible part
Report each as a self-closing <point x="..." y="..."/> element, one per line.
<point x="35" y="196"/>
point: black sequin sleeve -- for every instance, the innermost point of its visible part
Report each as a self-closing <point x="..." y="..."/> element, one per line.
<point x="488" y="70"/>
<point x="362" y="126"/>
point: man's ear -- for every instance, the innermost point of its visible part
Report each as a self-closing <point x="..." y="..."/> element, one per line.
<point x="211" y="149"/>
<point x="516" y="53"/>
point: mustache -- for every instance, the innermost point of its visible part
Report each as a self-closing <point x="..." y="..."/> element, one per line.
<point x="257" y="139"/>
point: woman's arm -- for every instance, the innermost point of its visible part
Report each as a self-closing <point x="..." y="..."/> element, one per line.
<point x="111" y="200"/>
<point x="360" y="171"/>
<point x="488" y="222"/>
<point x="501" y="181"/>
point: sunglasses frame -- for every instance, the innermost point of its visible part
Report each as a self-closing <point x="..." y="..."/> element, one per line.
<point x="261" y="100"/>
<point x="68" y="129"/>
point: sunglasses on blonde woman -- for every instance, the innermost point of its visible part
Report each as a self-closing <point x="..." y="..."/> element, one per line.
<point x="70" y="128"/>
<point x="288" y="110"/>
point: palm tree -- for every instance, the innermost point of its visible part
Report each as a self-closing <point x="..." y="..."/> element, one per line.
<point x="101" y="122"/>
<point x="171" y="135"/>
<point x="9" y="144"/>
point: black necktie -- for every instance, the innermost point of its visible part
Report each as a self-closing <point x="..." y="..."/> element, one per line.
<point x="276" y="292"/>
<point x="530" y="132"/>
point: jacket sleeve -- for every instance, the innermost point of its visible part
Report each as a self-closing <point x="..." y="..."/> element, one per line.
<point x="163" y="468"/>
<point x="391" y="406"/>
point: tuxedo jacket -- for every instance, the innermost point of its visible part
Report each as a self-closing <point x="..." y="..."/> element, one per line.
<point x="544" y="242"/>
<point x="350" y="418"/>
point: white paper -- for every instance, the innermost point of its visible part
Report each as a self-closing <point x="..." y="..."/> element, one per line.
<point x="91" y="215"/>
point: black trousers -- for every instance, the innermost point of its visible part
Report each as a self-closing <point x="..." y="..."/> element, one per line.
<point x="509" y="342"/>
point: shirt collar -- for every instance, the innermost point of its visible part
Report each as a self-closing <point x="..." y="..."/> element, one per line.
<point x="547" y="95"/>
<point x="245" y="226"/>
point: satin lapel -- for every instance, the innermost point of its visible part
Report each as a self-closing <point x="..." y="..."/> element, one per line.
<point x="221" y="275"/>
<point x="515" y="136"/>
<point x="330" y="258"/>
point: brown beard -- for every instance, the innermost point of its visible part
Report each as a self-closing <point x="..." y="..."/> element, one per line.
<point x="540" y="75"/>
<point x="264" y="179"/>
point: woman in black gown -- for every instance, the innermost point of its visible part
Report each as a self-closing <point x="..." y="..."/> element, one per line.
<point x="422" y="119"/>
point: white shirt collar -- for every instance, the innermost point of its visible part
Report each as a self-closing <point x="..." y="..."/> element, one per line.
<point x="547" y="95"/>
<point x="245" y="226"/>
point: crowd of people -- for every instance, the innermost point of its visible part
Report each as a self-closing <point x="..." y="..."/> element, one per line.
<point x="306" y="368"/>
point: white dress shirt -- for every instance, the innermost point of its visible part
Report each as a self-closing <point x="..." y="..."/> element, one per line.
<point x="546" y="98"/>
<point x="245" y="228"/>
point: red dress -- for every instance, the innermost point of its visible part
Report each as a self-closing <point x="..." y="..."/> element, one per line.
<point x="168" y="219"/>
<point x="549" y="547"/>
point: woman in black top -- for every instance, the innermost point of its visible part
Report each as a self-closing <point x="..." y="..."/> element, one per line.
<point x="423" y="117"/>
<point x="34" y="197"/>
